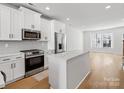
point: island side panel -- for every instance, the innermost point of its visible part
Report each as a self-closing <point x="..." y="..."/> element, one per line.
<point x="77" y="69"/>
<point x="57" y="73"/>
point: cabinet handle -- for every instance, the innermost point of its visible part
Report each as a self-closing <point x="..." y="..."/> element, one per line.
<point x="9" y="35"/>
<point x="6" y="59"/>
<point x="32" y="26"/>
<point x="18" y="57"/>
<point x="60" y="30"/>
<point x="12" y="66"/>
<point x="12" y="35"/>
<point x="45" y="38"/>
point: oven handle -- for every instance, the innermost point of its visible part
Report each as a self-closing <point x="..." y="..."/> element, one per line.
<point x="34" y="56"/>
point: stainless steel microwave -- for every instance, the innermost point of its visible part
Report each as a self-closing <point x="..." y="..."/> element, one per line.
<point x="28" y="34"/>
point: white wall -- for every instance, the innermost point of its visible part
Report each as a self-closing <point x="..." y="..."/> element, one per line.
<point x="74" y="39"/>
<point x="117" y="41"/>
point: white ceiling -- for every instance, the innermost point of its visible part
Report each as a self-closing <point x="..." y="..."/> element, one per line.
<point x="86" y="15"/>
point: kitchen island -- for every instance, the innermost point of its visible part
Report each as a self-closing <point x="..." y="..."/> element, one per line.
<point x="68" y="70"/>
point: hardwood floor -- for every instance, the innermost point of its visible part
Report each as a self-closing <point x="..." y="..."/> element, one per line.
<point x="106" y="72"/>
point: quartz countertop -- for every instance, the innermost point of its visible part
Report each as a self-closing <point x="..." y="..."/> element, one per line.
<point x="10" y="54"/>
<point x="68" y="55"/>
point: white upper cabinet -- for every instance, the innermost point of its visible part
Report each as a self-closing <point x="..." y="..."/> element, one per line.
<point x="31" y="19"/>
<point x="37" y="21"/>
<point x="10" y="23"/>
<point x="59" y="26"/>
<point x="28" y="19"/>
<point x="16" y="24"/>
<point x="5" y="23"/>
<point x="46" y="29"/>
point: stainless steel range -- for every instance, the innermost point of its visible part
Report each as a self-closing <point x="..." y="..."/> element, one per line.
<point x="34" y="61"/>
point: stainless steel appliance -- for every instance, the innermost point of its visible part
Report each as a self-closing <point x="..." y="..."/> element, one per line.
<point x="59" y="42"/>
<point x="34" y="61"/>
<point x="28" y="34"/>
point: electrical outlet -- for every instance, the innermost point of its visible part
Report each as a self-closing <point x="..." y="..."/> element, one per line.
<point x="6" y="45"/>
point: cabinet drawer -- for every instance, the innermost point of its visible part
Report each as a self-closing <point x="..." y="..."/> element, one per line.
<point x="5" y="59"/>
<point x="11" y="58"/>
<point x="20" y="56"/>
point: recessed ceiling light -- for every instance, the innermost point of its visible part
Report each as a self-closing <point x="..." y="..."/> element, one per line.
<point x="47" y="8"/>
<point x="67" y="19"/>
<point x="108" y="6"/>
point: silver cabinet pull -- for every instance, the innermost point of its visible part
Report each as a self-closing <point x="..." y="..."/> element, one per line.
<point x="45" y="38"/>
<point x="12" y="35"/>
<point x="12" y="66"/>
<point x="18" y="57"/>
<point x="9" y="35"/>
<point x="32" y="26"/>
<point x="6" y="59"/>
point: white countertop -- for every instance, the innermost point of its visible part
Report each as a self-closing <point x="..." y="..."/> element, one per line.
<point x="68" y="69"/>
<point x="68" y="55"/>
<point x="10" y="54"/>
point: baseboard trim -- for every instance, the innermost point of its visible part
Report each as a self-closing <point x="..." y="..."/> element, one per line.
<point x="14" y="80"/>
<point x="79" y="82"/>
<point x="82" y="80"/>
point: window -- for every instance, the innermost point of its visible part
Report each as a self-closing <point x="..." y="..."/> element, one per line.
<point x="107" y="40"/>
<point x="100" y="40"/>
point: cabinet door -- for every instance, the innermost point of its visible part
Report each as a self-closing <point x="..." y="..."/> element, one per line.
<point x="46" y="29"/>
<point x="46" y="61"/>
<point x="19" y="68"/>
<point x="28" y="19"/>
<point x="5" y="23"/>
<point x="7" y="69"/>
<point x="37" y="21"/>
<point x="59" y="27"/>
<point x="16" y="24"/>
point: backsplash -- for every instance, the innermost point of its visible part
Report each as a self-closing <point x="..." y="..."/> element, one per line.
<point x="15" y="46"/>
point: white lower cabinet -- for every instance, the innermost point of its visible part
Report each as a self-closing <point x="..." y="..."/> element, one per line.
<point x="45" y="61"/>
<point x="19" y="68"/>
<point x="13" y="67"/>
<point x="6" y="68"/>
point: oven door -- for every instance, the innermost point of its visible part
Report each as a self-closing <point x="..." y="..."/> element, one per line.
<point x="33" y="63"/>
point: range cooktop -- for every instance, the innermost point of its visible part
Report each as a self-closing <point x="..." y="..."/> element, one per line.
<point x="31" y="50"/>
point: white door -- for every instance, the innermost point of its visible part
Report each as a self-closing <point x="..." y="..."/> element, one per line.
<point x="7" y="69"/>
<point x="37" y="21"/>
<point x="5" y="23"/>
<point x="45" y="29"/>
<point x="59" y="27"/>
<point x="46" y="61"/>
<point x="19" y="68"/>
<point x="28" y="20"/>
<point x="16" y="24"/>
